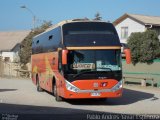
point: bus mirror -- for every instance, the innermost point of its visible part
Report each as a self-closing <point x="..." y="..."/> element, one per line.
<point x="128" y="55"/>
<point x="64" y="57"/>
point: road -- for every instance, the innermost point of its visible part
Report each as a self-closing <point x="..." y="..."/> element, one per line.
<point x="19" y="96"/>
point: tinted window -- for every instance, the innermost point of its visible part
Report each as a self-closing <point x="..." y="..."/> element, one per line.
<point x="90" y="34"/>
<point x="93" y="64"/>
<point x="93" y="60"/>
<point x="47" y="41"/>
<point x="88" y="28"/>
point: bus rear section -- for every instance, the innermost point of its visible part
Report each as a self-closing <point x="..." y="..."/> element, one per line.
<point x="87" y="61"/>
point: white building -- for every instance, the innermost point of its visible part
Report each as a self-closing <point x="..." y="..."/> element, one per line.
<point x="10" y="44"/>
<point x="129" y="23"/>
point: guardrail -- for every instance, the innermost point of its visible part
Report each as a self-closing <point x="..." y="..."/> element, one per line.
<point x="23" y="73"/>
<point x="143" y="80"/>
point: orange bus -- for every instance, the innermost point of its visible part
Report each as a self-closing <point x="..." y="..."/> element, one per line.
<point x="78" y="59"/>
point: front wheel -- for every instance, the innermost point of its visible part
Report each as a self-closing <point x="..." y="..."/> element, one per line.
<point x="57" y="98"/>
<point x="103" y="99"/>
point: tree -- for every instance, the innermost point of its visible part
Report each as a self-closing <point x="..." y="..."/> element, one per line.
<point x="144" y="46"/>
<point x="98" y="16"/>
<point x="25" y="51"/>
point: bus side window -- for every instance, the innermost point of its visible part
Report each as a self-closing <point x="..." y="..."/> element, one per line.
<point x="37" y="42"/>
<point x="50" y="37"/>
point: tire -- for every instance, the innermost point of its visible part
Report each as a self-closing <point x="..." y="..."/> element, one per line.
<point x="39" y="89"/>
<point x="100" y="99"/>
<point x="103" y="99"/>
<point x="57" y="98"/>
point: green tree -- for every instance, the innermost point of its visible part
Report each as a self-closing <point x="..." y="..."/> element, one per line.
<point x="25" y="51"/>
<point x="98" y="16"/>
<point x="144" y="46"/>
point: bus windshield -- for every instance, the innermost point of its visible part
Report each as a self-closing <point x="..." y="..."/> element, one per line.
<point x="80" y="61"/>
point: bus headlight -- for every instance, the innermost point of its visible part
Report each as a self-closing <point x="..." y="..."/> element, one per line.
<point x="117" y="86"/>
<point x="71" y="87"/>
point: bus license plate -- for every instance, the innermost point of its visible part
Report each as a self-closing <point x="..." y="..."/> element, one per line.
<point x="95" y="94"/>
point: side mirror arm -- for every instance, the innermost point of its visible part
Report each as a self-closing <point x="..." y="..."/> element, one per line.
<point x="64" y="57"/>
<point x="128" y="55"/>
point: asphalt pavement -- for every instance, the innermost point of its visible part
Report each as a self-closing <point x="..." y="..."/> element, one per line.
<point x="20" y="100"/>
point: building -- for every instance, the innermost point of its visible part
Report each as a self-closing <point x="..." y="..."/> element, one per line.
<point x="129" y="23"/>
<point x="10" y="44"/>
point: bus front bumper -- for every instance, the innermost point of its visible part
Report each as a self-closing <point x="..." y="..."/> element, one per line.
<point x="107" y="93"/>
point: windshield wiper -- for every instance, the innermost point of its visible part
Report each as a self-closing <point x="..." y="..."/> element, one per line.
<point x="106" y="69"/>
<point x="91" y="72"/>
<point x="83" y="73"/>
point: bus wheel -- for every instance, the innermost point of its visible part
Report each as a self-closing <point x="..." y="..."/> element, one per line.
<point x="103" y="99"/>
<point x="57" y="98"/>
<point x="39" y="89"/>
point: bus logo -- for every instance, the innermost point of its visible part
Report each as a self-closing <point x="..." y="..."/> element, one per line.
<point x="95" y="84"/>
<point x="94" y="42"/>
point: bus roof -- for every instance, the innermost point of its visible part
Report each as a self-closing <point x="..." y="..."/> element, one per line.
<point x="69" y="21"/>
<point x="72" y="21"/>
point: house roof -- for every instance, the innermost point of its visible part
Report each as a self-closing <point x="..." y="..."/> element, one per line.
<point x="8" y="40"/>
<point x="143" y="19"/>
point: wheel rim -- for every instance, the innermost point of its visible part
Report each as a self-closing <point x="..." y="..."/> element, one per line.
<point x="55" y="90"/>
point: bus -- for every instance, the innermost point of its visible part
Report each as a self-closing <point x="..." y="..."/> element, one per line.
<point x="78" y="59"/>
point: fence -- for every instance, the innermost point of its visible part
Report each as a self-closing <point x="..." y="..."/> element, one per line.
<point x="8" y="69"/>
<point x="143" y="70"/>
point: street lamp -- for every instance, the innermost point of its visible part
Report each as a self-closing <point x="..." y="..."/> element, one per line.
<point x="34" y="17"/>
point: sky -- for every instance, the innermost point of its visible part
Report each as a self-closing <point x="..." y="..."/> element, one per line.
<point x="13" y="17"/>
